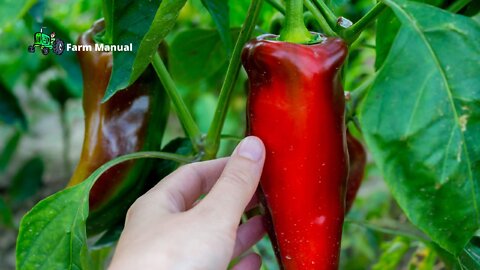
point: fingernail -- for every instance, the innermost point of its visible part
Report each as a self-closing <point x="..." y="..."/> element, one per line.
<point x="251" y="148"/>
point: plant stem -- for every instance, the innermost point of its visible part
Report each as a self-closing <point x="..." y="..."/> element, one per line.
<point x="319" y="18"/>
<point x="357" y="95"/>
<point x="326" y="12"/>
<point x="351" y="34"/>
<point x="276" y="6"/>
<point x="294" y="29"/>
<point x="186" y="119"/>
<point x="212" y="142"/>
<point x="458" y="5"/>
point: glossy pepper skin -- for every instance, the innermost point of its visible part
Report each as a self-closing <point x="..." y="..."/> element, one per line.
<point x="358" y="160"/>
<point x="296" y="106"/>
<point x="132" y="120"/>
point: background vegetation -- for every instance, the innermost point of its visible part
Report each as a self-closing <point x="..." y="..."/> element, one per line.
<point x="41" y="119"/>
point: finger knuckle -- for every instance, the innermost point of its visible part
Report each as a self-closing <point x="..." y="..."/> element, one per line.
<point x="240" y="178"/>
<point x="187" y="168"/>
<point x="135" y="207"/>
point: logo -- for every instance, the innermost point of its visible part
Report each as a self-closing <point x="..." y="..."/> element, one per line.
<point x="46" y="43"/>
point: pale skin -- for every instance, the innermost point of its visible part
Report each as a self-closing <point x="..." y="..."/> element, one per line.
<point x="168" y="228"/>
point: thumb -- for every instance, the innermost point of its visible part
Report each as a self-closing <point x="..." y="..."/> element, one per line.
<point x="238" y="182"/>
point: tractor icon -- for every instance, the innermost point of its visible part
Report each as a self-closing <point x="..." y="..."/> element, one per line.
<point x="46" y="43"/>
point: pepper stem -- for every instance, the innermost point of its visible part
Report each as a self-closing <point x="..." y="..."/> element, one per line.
<point x="294" y="29"/>
<point x="351" y="33"/>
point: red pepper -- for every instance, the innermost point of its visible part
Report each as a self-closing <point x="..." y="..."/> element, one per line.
<point x="358" y="159"/>
<point x="296" y="106"/>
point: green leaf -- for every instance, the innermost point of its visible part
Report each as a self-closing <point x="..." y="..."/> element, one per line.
<point x="11" y="10"/>
<point x="53" y="234"/>
<point x="421" y="121"/>
<point x="477" y="18"/>
<point x="35" y="15"/>
<point x="472" y="9"/>
<point x="144" y="24"/>
<point x="27" y="181"/>
<point x="108" y="10"/>
<point x="9" y="149"/>
<point x="219" y="11"/>
<point x="196" y="54"/>
<point x="387" y="29"/>
<point x="10" y="111"/>
<point x="392" y="254"/>
<point x="469" y="259"/>
<point x="13" y="58"/>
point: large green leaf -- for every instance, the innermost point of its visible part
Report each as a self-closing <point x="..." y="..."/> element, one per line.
<point x="421" y="121"/>
<point x="219" y="11"/>
<point x="53" y="234"/>
<point x="144" y="24"/>
<point x="196" y="54"/>
<point x="387" y="29"/>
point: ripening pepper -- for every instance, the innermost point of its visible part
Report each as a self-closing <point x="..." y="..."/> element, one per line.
<point x="296" y="106"/>
<point x="358" y="159"/>
<point x="132" y="120"/>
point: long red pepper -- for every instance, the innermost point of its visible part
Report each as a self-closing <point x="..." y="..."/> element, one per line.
<point x="296" y="106"/>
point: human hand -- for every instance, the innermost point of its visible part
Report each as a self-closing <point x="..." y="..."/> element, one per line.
<point x="167" y="228"/>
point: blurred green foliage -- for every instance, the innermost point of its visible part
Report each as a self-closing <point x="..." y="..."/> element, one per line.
<point x="374" y="235"/>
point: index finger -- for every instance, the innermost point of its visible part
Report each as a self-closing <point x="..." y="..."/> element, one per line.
<point x="179" y="190"/>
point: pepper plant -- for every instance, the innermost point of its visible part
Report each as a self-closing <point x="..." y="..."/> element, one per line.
<point x="411" y="74"/>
